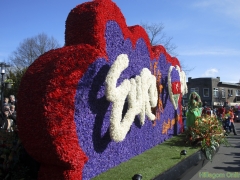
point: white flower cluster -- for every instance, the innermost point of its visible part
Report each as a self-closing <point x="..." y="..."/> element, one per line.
<point x="175" y="97"/>
<point x="184" y="88"/>
<point x="140" y="92"/>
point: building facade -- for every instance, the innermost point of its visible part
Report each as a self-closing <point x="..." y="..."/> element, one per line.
<point x="213" y="92"/>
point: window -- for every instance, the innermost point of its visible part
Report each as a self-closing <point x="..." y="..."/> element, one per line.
<point x="205" y="92"/>
<point x="223" y="93"/>
<point x="230" y="92"/>
<point x="215" y="92"/>
<point x="195" y="90"/>
<point x="237" y="92"/>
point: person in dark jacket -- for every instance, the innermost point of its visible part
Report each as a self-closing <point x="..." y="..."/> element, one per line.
<point x="13" y="101"/>
<point x="13" y="113"/>
<point x="7" y="122"/>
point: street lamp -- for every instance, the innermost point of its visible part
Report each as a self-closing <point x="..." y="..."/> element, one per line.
<point x="3" y="71"/>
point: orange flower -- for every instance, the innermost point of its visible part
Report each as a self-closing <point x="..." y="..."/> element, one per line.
<point x="196" y="123"/>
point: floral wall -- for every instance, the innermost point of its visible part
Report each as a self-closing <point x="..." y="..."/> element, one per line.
<point x="103" y="98"/>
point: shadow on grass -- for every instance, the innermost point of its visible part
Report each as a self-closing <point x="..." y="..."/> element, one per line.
<point x="181" y="141"/>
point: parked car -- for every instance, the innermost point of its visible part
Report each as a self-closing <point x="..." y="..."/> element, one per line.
<point x="237" y="116"/>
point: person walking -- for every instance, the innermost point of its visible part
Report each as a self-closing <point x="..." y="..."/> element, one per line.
<point x="229" y="115"/>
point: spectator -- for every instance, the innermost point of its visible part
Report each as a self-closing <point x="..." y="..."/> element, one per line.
<point x="184" y="116"/>
<point x="229" y="115"/>
<point x="6" y="108"/>
<point x="13" y="101"/>
<point x="207" y="111"/>
<point x="6" y="101"/>
<point x="215" y="112"/>
<point x="205" y="104"/>
<point x="220" y="111"/>
<point x="7" y="122"/>
<point x="13" y="113"/>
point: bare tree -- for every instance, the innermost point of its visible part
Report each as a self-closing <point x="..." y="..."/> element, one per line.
<point x="157" y="36"/>
<point x="31" y="48"/>
<point x="185" y="68"/>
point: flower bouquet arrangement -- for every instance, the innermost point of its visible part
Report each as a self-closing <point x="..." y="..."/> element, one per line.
<point x="209" y="133"/>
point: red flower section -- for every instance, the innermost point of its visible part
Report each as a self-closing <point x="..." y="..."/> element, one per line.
<point x="176" y="87"/>
<point x="157" y="50"/>
<point x="86" y="24"/>
<point x="46" y="110"/>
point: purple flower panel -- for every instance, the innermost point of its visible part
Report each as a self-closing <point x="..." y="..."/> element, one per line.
<point x="175" y="75"/>
<point x="93" y="111"/>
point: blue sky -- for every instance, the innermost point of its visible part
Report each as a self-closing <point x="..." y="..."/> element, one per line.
<point x="206" y="32"/>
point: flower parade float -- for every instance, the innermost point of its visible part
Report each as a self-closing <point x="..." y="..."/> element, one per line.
<point x="103" y="98"/>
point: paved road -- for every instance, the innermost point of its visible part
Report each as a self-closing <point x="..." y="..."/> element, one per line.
<point x="225" y="163"/>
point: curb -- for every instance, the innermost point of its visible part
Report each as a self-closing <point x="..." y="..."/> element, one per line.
<point x="192" y="163"/>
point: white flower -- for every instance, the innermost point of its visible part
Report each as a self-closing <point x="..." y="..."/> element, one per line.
<point x="141" y="94"/>
<point x="175" y="97"/>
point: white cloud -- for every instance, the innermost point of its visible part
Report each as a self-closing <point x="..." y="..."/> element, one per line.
<point x="203" y="4"/>
<point x="214" y="51"/>
<point x="210" y="72"/>
<point x="228" y="8"/>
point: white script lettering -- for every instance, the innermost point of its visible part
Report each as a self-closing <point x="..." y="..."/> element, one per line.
<point x="141" y="93"/>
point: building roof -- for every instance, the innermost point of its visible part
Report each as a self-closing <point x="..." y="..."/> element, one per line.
<point x="229" y="84"/>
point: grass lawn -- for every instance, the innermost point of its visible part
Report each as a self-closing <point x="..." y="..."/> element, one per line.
<point x="152" y="162"/>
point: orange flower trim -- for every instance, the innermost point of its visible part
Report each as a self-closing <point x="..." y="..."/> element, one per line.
<point x="168" y="125"/>
<point x="159" y="108"/>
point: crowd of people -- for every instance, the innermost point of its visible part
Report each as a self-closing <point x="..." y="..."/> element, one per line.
<point x="196" y="108"/>
<point x="9" y="114"/>
<point x="226" y="115"/>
